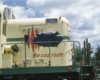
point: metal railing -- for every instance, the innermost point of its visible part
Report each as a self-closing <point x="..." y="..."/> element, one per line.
<point x="48" y="42"/>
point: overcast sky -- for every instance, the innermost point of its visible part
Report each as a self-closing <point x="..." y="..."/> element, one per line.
<point x="82" y="14"/>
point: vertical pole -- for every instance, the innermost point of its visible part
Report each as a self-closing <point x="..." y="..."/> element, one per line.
<point x="80" y="62"/>
<point x="83" y="56"/>
<point x="74" y="53"/>
<point x="95" y="67"/>
<point x="25" y="55"/>
<point x="87" y="52"/>
<point x="49" y="55"/>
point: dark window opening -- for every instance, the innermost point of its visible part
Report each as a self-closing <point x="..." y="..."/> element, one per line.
<point x="4" y="14"/>
<point x="9" y="13"/>
<point x="4" y="29"/>
<point x="4" y="17"/>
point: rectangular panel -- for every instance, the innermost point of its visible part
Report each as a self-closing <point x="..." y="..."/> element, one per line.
<point x="51" y="20"/>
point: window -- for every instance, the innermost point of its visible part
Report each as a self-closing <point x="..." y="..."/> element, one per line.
<point x="9" y="13"/>
<point x="4" y="14"/>
<point x="4" y="17"/>
<point x="51" y="20"/>
<point x="4" y="29"/>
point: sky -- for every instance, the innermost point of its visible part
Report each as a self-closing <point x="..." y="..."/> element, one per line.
<point x="83" y="15"/>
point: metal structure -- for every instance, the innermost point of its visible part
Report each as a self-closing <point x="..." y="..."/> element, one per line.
<point x="40" y="49"/>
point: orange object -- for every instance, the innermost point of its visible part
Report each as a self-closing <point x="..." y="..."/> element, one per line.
<point x="69" y="69"/>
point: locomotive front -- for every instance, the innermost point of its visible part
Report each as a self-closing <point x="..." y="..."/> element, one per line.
<point x="38" y="42"/>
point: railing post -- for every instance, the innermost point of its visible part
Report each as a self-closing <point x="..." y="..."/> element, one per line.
<point x="80" y="60"/>
<point x="74" y="53"/>
<point x="25" y="55"/>
<point x="49" y="55"/>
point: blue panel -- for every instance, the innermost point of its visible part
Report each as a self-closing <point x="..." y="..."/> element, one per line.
<point x="51" y="20"/>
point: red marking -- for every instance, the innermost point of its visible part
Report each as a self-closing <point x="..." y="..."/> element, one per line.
<point x="35" y="45"/>
<point x="57" y="55"/>
<point x="32" y="36"/>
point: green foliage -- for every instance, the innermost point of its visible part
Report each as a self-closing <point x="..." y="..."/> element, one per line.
<point x="77" y="55"/>
<point x="93" y="58"/>
<point x="97" y="53"/>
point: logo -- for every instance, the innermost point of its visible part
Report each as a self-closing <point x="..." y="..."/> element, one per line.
<point x="31" y="35"/>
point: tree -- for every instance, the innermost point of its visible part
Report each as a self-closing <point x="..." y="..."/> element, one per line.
<point x="97" y="53"/>
<point x="77" y="54"/>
